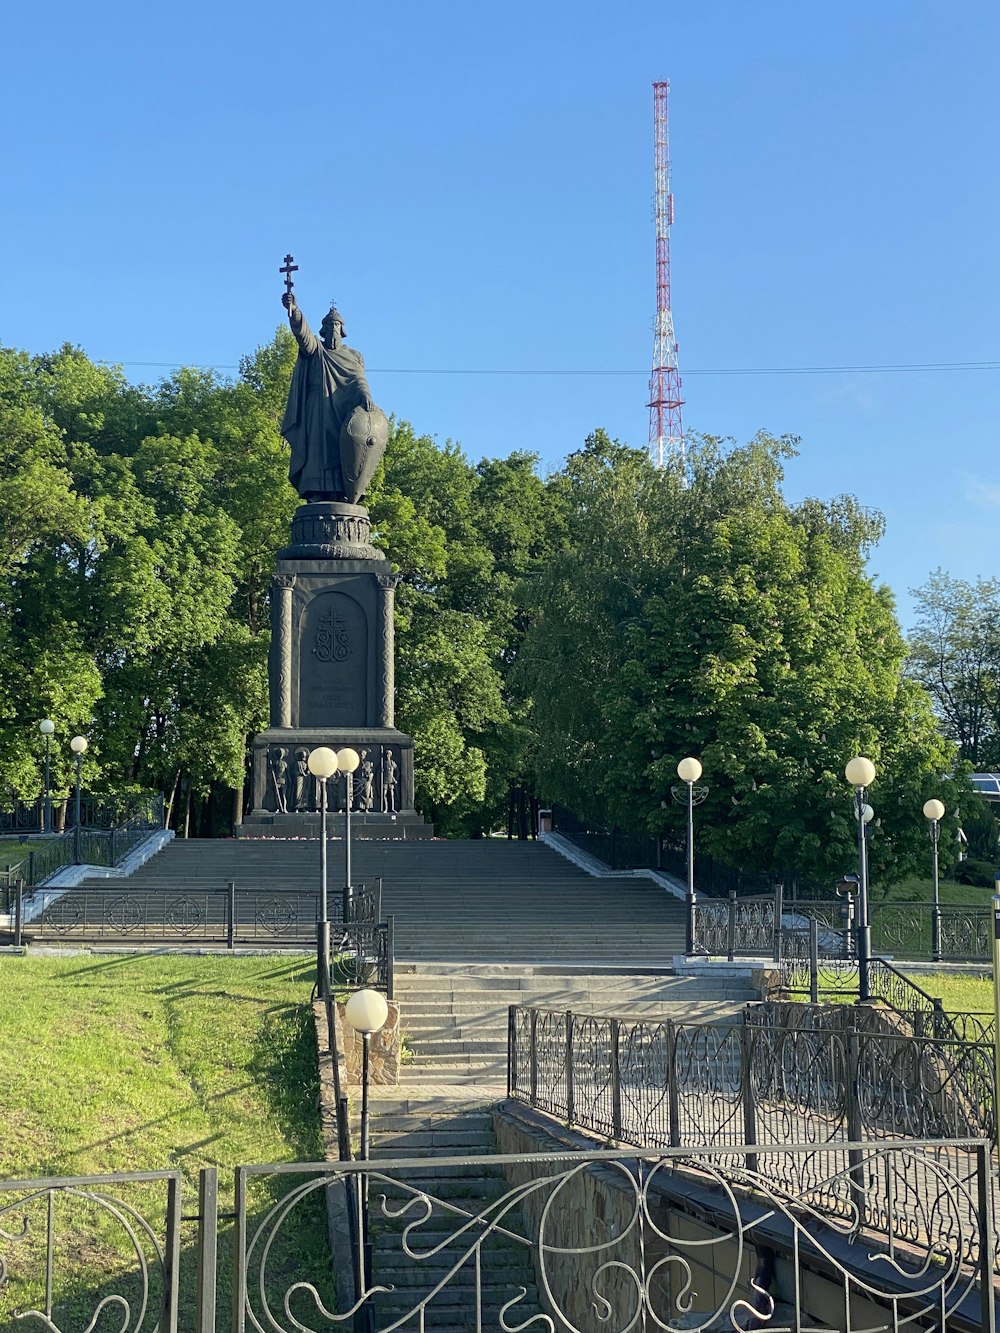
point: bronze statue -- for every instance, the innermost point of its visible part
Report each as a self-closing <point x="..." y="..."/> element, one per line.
<point x="336" y="433"/>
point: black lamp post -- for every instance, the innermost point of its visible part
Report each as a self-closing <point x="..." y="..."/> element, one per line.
<point x="47" y="727"/>
<point x="934" y="813"/>
<point x="366" y="1011"/>
<point x="322" y="764"/>
<point x="689" y="770"/>
<point x="347" y="762"/>
<point x="860" y="773"/>
<point x="78" y="745"/>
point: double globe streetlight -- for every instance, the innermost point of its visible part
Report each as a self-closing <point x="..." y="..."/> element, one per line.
<point x="323" y="763"/>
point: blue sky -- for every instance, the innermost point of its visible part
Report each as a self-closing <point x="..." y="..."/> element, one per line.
<point x="473" y="184"/>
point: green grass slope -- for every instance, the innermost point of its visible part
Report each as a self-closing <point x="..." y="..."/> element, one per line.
<point x="148" y="1063"/>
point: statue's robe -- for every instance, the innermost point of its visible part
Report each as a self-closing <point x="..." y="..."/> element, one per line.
<point x="327" y="385"/>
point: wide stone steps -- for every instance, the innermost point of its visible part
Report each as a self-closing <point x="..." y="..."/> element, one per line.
<point x="479" y="926"/>
<point x="486" y="900"/>
<point x="455" y="1022"/>
<point x="458" y="1193"/>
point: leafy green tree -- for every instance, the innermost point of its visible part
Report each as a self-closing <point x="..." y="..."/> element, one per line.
<point x="955" y="654"/>
<point x="45" y="665"/>
<point x="449" y="690"/>
<point x="703" y="615"/>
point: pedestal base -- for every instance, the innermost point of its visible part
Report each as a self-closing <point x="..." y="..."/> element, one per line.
<point x="406" y="826"/>
<point x="286" y="796"/>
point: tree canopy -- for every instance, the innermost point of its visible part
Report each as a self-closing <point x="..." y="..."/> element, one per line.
<point x="699" y="613"/>
<point x="576" y="634"/>
<point x="955" y="655"/>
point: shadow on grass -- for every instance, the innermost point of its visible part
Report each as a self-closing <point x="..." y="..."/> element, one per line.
<point x="135" y="1131"/>
<point x="285" y="1068"/>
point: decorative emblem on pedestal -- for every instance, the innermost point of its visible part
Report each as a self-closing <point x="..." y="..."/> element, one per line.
<point x="333" y="642"/>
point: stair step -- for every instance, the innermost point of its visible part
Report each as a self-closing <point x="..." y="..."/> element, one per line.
<point x="444" y="1143"/>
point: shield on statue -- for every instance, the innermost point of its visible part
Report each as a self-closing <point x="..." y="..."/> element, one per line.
<point x="363" y="438"/>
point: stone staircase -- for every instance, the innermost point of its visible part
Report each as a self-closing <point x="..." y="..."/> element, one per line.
<point x="454" y="1017"/>
<point x="456" y="1194"/>
<point x="478" y="926"/>
<point x="483" y="901"/>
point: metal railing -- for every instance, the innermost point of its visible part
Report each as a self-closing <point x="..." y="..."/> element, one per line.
<point x="98" y="847"/>
<point x="630" y="849"/>
<point x="97" y="811"/>
<point x="233" y="918"/>
<point x="909" y="1233"/>
<point x="804" y="969"/>
<point x="822" y="1080"/>
<point x="744" y="927"/>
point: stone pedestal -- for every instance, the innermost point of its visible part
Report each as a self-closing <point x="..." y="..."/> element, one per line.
<point x="331" y="675"/>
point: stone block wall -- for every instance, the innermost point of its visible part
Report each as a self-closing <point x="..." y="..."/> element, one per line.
<point x="384" y="1052"/>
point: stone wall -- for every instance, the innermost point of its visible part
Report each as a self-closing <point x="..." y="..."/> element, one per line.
<point x="598" y="1203"/>
<point x="384" y="1052"/>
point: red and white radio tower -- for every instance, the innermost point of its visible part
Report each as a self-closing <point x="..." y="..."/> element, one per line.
<point x="666" y="432"/>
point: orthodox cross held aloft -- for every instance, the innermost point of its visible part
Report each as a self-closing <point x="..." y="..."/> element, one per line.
<point x="288" y="269"/>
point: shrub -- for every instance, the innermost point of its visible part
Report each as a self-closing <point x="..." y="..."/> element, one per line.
<point x="979" y="873"/>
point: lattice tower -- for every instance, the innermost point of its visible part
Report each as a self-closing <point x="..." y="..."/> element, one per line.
<point x="666" y="430"/>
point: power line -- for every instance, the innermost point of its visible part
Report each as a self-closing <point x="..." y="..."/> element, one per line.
<point x="915" y="368"/>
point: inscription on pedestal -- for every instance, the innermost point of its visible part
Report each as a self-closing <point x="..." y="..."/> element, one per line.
<point x="333" y="662"/>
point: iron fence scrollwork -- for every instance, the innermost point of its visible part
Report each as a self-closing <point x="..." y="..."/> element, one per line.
<point x="899" y="1225"/>
<point x="821" y="1075"/>
<point x="285" y="918"/>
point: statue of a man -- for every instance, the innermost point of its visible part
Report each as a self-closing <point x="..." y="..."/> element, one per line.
<point x="336" y="433"/>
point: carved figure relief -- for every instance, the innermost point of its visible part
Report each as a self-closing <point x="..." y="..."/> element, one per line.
<point x="333" y="643"/>
<point x="364" y="783"/>
<point x="390" y="780"/>
<point x="277" y="772"/>
<point x="301" y="783"/>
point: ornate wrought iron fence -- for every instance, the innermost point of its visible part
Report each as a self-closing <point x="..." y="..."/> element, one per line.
<point x="98" y="847"/>
<point x="233" y="917"/>
<point x="97" y="811"/>
<point x="22" y="817"/>
<point x="803" y="970"/>
<point x="745" y="928"/>
<point x="821" y="1080"/>
<point x="900" y="1229"/>
<point x="107" y="1244"/>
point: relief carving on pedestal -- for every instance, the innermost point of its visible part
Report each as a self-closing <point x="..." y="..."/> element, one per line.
<point x="277" y="773"/>
<point x="333" y="642"/>
<point x="390" y="781"/>
<point x="300" y="781"/>
<point x="364" y="783"/>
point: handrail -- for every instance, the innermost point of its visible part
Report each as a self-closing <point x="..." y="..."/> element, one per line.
<point x="829" y="1079"/>
<point x="103" y="847"/>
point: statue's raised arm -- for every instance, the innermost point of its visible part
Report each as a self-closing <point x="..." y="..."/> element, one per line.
<point x="336" y="433"/>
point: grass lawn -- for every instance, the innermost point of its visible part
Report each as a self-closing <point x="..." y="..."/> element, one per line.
<point x="13" y="852"/>
<point x="970" y="995"/>
<point x="145" y="1063"/>
<point x="916" y="889"/>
